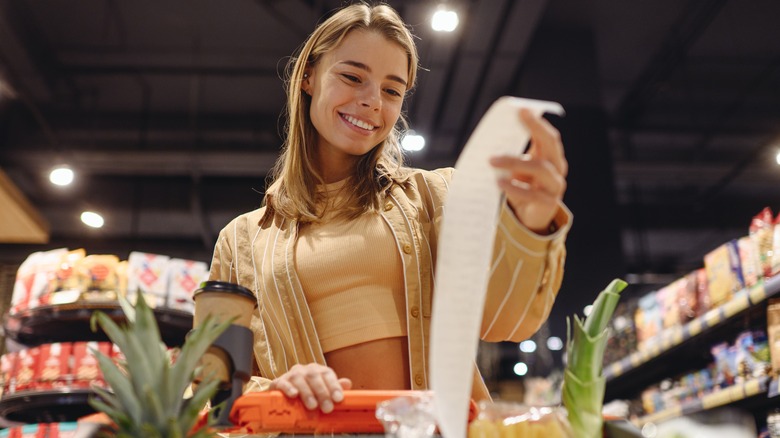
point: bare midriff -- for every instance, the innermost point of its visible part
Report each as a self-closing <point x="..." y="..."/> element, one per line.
<point x="379" y="364"/>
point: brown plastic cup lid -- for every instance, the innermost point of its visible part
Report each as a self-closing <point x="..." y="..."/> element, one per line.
<point x="224" y="287"/>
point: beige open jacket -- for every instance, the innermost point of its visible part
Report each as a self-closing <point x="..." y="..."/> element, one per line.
<point x="256" y="250"/>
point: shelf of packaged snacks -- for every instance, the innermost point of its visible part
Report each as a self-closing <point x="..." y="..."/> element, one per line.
<point x="761" y="391"/>
<point x="639" y="367"/>
<point x="56" y="405"/>
<point x="70" y="322"/>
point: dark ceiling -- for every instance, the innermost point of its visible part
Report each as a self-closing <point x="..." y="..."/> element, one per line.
<point x="169" y="112"/>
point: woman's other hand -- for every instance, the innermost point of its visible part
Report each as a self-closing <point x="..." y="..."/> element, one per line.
<point x="316" y="385"/>
<point x="536" y="181"/>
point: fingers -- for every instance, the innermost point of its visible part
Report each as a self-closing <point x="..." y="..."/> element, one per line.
<point x="316" y="385"/>
<point x="546" y="141"/>
<point x="539" y="175"/>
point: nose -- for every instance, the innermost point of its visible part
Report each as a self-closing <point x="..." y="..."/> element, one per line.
<point x="371" y="97"/>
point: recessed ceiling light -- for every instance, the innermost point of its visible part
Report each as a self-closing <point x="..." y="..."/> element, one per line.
<point x="61" y="176"/>
<point x="92" y="219"/>
<point x="520" y="369"/>
<point x="444" y="20"/>
<point x="413" y="142"/>
<point x="777" y="158"/>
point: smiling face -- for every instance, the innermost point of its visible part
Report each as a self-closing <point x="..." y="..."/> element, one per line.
<point x="357" y="91"/>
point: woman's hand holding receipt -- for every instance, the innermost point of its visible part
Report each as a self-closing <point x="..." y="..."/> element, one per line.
<point x="535" y="181"/>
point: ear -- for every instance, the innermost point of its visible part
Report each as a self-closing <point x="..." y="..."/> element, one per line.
<point x="307" y="80"/>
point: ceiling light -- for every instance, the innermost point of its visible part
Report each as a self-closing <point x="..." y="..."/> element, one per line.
<point x="528" y="346"/>
<point x="778" y="158"/>
<point x="92" y="219"/>
<point x="444" y="20"/>
<point x="413" y="142"/>
<point x="61" y="176"/>
<point x="520" y="369"/>
<point x="554" y="343"/>
<point x="586" y="311"/>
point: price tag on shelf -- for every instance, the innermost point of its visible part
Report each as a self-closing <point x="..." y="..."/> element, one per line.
<point x="717" y="398"/>
<point x="677" y="336"/>
<point x="754" y="386"/>
<point x="694" y="327"/>
<point x="757" y="293"/>
<point x="737" y="304"/>
<point x="666" y="340"/>
<point x="713" y="317"/>
<point x="615" y="369"/>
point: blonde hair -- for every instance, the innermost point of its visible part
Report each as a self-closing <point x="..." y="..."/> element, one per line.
<point x="295" y="177"/>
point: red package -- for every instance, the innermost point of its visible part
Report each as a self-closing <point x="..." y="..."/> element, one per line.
<point x="54" y="365"/>
<point x="761" y="231"/>
<point x="702" y="292"/>
<point x="8" y="364"/>
<point x="27" y="372"/>
<point x="85" y="365"/>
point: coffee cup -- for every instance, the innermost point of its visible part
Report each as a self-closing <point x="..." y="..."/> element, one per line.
<point x="223" y="302"/>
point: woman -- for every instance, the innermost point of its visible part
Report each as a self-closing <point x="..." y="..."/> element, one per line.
<point x="341" y="255"/>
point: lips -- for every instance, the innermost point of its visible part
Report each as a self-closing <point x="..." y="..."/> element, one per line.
<point x="357" y="122"/>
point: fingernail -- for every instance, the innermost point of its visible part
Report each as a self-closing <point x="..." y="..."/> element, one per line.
<point x="338" y="396"/>
<point x="327" y="406"/>
<point x="310" y="402"/>
<point x="292" y="392"/>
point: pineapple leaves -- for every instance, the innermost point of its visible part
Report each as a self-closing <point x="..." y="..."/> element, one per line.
<point x="147" y="392"/>
<point x="197" y="343"/>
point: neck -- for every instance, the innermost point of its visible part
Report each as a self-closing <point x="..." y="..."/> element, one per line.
<point x="334" y="169"/>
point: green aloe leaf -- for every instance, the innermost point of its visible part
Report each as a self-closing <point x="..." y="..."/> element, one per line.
<point x="584" y="384"/>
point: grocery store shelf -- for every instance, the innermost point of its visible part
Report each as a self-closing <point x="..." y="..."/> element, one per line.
<point x="762" y="390"/>
<point x="670" y="348"/>
<point x="70" y="323"/>
<point x="52" y="406"/>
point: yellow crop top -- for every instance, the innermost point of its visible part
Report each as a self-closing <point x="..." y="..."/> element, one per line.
<point x="352" y="276"/>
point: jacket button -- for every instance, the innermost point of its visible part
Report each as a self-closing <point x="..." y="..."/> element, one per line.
<point x="408" y="248"/>
<point x="388" y="206"/>
<point x="415" y="312"/>
<point x="418" y="380"/>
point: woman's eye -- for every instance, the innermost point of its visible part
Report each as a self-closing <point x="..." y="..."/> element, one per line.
<point x="351" y="78"/>
<point x="393" y="92"/>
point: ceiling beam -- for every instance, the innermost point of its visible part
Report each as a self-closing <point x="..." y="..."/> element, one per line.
<point x="695" y="19"/>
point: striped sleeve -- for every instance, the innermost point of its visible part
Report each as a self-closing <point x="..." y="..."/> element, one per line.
<point x="222" y="260"/>
<point x="526" y="275"/>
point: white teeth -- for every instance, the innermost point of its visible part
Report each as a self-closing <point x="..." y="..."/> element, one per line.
<point x="359" y="123"/>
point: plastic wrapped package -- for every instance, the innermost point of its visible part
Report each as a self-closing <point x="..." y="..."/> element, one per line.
<point x="510" y="420"/>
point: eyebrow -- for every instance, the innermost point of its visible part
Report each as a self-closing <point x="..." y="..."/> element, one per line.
<point x="362" y="66"/>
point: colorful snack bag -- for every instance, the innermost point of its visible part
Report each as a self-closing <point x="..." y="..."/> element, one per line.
<point x="8" y="373"/>
<point x="97" y="276"/>
<point x="54" y="365"/>
<point x="761" y="231"/>
<point x="66" y="287"/>
<point x="776" y="246"/>
<point x="147" y="273"/>
<point x="748" y="258"/>
<point x="85" y="366"/>
<point x="26" y="375"/>
<point x="185" y="276"/>
<point x="773" y="333"/>
<point x="724" y="274"/>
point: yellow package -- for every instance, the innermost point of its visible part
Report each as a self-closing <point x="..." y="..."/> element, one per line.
<point x="515" y="420"/>
<point x="97" y="276"/>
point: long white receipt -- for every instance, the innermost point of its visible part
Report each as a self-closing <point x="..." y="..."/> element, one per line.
<point x="464" y="256"/>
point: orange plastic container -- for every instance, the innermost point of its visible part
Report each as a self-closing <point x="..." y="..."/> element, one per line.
<point x="272" y="411"/>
